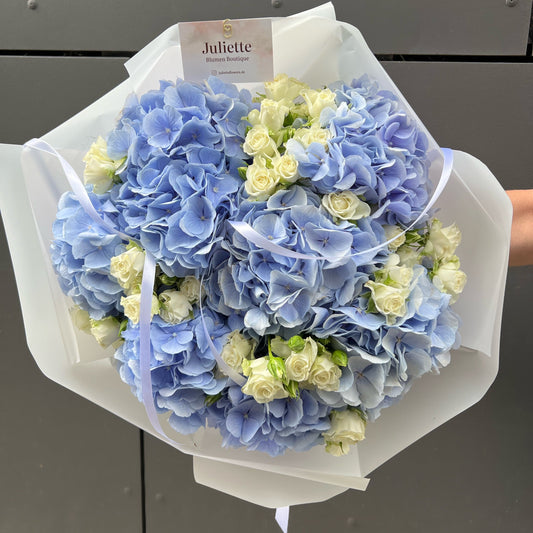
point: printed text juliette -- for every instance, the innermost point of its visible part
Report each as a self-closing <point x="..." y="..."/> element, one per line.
<point x="229" y="48"/>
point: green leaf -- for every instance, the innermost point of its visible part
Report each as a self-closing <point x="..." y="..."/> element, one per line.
<point x="123" y="326"/>
<point x="293" y="389"/>
<point x="211" y="399"/>
<point x="371" y="306"/>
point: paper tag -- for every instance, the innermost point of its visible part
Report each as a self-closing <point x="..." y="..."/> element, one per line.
<point x="237" y="51"/>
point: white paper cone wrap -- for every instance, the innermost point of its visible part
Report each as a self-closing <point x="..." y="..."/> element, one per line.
<point x="318" y="50"/>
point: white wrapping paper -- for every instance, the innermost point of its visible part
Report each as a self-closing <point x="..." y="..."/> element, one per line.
<point x="318" y="50"/>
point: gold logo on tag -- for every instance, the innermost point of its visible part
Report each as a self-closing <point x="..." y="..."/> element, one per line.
<point x="227" y="30"/>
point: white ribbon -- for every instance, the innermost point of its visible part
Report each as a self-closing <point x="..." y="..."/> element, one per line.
<point x="282" y="518"/>
<point x="77" y="187"/>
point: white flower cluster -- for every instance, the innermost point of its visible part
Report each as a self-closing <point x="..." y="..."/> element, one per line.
<point x="272" y="166"/>
<point x="391" y="286"/>
<point x="441" y="246"/>
<point x="304" y="363"/>
<point x="172" y="305"/>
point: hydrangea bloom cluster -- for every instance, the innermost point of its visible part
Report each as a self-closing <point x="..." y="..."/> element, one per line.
<point x="327" y="318"/>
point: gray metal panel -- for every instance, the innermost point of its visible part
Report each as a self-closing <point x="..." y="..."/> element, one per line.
<point x="479" y="27"/>
<point x="38" y="94"/>
<point x="472" y="475"/>
<point x="65" y="464"/>
<point x="484" y="109"/>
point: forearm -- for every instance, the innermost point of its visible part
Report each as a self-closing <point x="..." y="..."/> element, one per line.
<point x="522" y="229"/>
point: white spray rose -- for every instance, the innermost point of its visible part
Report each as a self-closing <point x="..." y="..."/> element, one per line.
<point x="393" y="274"/>
<point x="298" y="365"/>
<point x="325" y="374"/>
<point x="190" y="287"/>
<point x="345" y="205"/>
<point x="389" y="301"/>
<point x="236" y="349"/>
<point x="127" y="267"/>
<point x="132" y="306"/>
<point x="318" y="100"/>
<point x="99" y="167"/>
<point x="259" y="142"/>
<point x="400" y="276"/>
<point x="390" y="233"/>
<point x="286" y="167"/>
<point x="449" y="279"/>
<point x="272" y="114"/>
<point x="261" y="182"/>
<point x="409" y="257"/>
<point x="81" y="319"/>
<point x="106" y="331"/>
<point x="175" y="306"/>
<point x="442" y="242"/>
<point x="261" y="384"/>
<point x="347" y="428"/>
<point x="284" y="88"/>
<point x="314" y="134"/>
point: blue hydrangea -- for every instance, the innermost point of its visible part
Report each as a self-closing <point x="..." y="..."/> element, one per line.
<point x="176" y="193"/>
<point x="81" y="254"/>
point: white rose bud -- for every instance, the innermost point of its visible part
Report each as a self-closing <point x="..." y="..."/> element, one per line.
<point x="127" y="267"/>
<point x="105" y="331"/>
<point x="261" y="182"/>
<point x="81" y="319"/>
<point x="345" y="205"/>
<point x="175" y="306"/>
<point x="442" y="242"/>
<point x="132" y="306"/>
<point x="314" y="134"/>
<point x="99" y="167"/>
<point x="389" y="301"/>
<point x="408" y="256"/>
<point x="298" y="365"/>
<point x="253" y="117"/>
<point x="284" y="88"/>
<point x="190" y="287"/>
<point x="236" y="349"/>
<point x="390" y="233"/>
<point x="272" y="114"/>
<point x="259" y="142"/>
<point x="347" y="428"/>
<point x="318" y="100"/>
<point x="286" y="167"/>
<point x="325" y="374"/>
<point x="449" y="279"/>
<point x="261" y="384"/>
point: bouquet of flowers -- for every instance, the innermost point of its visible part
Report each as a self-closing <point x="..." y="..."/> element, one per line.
<point x="270" y="266"/>
<point x="315" y="330"/>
